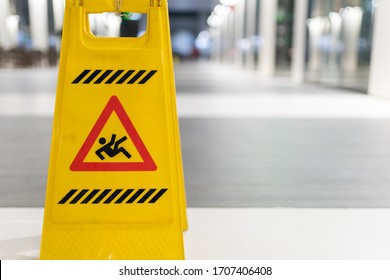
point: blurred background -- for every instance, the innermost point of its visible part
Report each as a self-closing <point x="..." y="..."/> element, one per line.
<point x="329" y="41"/>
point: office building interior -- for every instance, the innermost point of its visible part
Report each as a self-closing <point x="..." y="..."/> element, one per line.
<point x="284" y="114"/>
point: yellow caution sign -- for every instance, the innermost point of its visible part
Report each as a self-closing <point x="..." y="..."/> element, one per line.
<point x="115" y="184"/>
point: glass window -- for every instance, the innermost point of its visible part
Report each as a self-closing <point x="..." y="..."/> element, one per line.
<point x="339" y="43"/>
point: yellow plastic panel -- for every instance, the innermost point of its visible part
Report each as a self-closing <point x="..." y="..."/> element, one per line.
<point x="115" y="184"/>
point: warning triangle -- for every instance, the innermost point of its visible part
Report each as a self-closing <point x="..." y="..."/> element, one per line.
<point x="113" y="105"/>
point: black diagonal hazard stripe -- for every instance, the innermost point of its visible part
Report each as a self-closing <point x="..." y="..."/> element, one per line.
<point x="112" y="196"/>
<point x="90" y="196"/>
<point x="135" y="196"/>
<point x="146" y="196"/>
<point x="81" y="76"/>
<point x="101" y="196"/>
<point x="92" y="76"/>
<point x="110" y="76"/>
<point x="67" y="196"/>
<point x="103" y="76"/>
<point x="124" y="196"/>
<point x="125" y="76"/>
<point x="78" y="196"/>
<point x="158" y="196"/>
<point x="136" y="77"/>
<point x="147" y="77"/>
<point x="114" y="76"/>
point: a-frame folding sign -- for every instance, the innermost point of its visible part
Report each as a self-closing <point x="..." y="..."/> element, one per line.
<point x="115" y="185"/>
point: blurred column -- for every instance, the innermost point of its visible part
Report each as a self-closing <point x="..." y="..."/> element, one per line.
<point x="316" y="29"/>
<point x="4" y="11"/>
<point x="225" y="41"/>
<point x="58" y="14"/>
<point x="334" y="37"/>
<point x="299" y="41"/>
<point x="39" y="24"/>
<point x="267" y="49"/>
<point x="239" y="12"/>
<point x="250" y="17"/>
<point x="228" y="38"/>
<point x="352" y="19"/>
<point x="380" y="56"/>
<point x="232" y="41"/>
<point x="216" y="44"/>
<point x="9" y="25"/>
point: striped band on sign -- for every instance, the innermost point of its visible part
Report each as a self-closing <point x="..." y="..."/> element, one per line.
<point x="111" y="76"/>
<point x="112" y="196"/>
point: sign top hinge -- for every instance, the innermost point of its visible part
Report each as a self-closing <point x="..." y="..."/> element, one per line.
<point x="155" y="3"/>
<point x="78" y="2"/>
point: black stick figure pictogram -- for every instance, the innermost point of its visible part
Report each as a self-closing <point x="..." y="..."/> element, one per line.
<point x="112" y="148"/>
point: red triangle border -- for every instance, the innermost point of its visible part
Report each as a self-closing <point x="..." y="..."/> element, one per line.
<point x="113" y="105"/>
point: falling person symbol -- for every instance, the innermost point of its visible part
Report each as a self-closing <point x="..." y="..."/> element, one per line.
<point x="112" y="148"/>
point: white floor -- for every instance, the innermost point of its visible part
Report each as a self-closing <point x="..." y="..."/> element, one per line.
<point x="338" y="104"/>
<point x="243" y="234"/>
